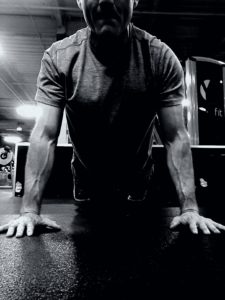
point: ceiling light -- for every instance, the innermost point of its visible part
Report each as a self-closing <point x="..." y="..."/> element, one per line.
<point x="12" y="139"/>
<point x="19" y="128"/>
<point x="28" y="111"/>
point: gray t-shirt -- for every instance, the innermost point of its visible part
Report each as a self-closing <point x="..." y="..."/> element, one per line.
<point x="110" y="109"/>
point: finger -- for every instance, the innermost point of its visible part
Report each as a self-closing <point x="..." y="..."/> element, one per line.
<point x="193" y="227"/>
<point x="20" y="230"/>
<point x="50" y="223"/>
<point x="204" y="228"/>
<point x="175" y="222"/>
<point x="30" y="229"/>
<point x="10" y="231"/>
<point x="218" y="225"/>
<point x="212" y="227"/>
<point x="4" y="227"/>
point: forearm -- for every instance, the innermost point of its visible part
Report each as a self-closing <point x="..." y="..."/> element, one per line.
<point x="39" y="164"/>
<point x="179" y="161"/>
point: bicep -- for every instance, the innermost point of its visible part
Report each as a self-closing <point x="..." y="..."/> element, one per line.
<point x="48" y="122"/>
<point x="172" y="123"/>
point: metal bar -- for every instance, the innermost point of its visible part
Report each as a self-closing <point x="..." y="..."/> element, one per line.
<point x="136" y="12"/>
<point x="12" y="91"/>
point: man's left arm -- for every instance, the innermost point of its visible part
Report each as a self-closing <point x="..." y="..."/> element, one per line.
<point x="180" y="165"/>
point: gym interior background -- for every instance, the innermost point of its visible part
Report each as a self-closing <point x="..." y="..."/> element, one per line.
<point x="194" y="29"/>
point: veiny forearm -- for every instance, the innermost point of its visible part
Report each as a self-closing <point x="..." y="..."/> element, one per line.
<point x="179" y="161"/>
<point x="39" y="164"/>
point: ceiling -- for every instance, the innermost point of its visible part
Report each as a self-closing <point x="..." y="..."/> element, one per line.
<point x="28" y="27"/>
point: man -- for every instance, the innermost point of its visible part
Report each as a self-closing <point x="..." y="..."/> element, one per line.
<point x="112" y="78"/>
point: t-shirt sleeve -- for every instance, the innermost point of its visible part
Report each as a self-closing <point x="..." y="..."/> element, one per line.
<point x="170" y="78"/>
<point x="50" y="87"/>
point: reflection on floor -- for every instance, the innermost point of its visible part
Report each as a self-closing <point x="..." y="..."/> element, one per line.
<point x="124" y="257"/>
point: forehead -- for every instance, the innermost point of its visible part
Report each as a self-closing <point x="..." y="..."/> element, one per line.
<point x="82" y="4"/>
<point x="115" y="1"/>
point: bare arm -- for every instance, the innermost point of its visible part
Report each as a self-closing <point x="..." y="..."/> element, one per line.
<point x="39" y="163"/>
<point x="179" y="161"/>
<point x="40" y="156"/>
<point x="179" y="157"/>
<point x="43" y="141"/>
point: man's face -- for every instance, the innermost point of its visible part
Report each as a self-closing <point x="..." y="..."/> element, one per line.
<point x="107" y="17"/>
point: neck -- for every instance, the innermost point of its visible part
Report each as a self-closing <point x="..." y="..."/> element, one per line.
<point x="109" y="48"/>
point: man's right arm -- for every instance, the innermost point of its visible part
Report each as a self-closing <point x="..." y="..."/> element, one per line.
<point x="40" y="156"/>
<point x="39" y="164"/>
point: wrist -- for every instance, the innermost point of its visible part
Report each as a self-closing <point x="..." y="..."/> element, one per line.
<point x="194" y="210"/>
<point x="24" y="211"/>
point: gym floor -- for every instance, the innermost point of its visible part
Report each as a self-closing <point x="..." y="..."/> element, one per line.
<point x="120" y="256"/>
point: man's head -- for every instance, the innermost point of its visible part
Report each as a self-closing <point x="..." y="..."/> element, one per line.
<point x="107" y="17"/>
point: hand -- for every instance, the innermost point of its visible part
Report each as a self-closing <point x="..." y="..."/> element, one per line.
<point x="26" y="223"/>
<point x="195" y="221"/>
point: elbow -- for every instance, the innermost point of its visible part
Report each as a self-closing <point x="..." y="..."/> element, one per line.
<point x="180" y="142"/>
<point x="43" y="137"/>
<point x="181" y="137"/>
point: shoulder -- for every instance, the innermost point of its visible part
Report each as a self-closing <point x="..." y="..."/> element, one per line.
<point x="73" y="40"/>
<point x="142" y="36"/>
<point x="154" y="48"/>
<point x="68" y="46"/>
<point x="159" y="54"/>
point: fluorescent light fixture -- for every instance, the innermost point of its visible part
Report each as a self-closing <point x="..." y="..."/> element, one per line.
<point x="12" y="139"/>
<point x="28" y="111"/>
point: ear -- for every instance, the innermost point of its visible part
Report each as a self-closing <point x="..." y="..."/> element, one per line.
<point x="135" y="3"/>
<point x="79" y="4"/>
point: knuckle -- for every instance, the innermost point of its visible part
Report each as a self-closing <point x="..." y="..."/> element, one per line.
<point x="13" y="223"/>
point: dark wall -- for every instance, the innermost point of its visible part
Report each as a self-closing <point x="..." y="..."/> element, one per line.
<point x="60" y="182"/>
<point x="209" y="166"/>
